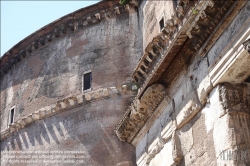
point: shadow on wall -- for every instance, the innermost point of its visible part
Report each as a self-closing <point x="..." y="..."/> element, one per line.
<point x="88" y="128"/>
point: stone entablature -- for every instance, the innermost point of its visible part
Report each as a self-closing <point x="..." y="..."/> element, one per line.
<point x="65" y="104"/>
<point x="173" y="48"/>
<point x="59" y="28"/>
<point x="139" y="112"/>
<point x="232" y="65"/>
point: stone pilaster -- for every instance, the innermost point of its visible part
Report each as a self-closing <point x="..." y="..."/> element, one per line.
<point x="232" y="130"/>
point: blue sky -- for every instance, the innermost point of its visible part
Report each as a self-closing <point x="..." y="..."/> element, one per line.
<point x="21" y="18"/>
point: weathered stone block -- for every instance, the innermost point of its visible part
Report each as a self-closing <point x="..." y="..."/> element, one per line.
<point x="187" y="113"/>
<point x="185" y="136"/>
<point x="79" y="99"/>
<point x="164" y="156"/>
<point x="203" y="89"/>
<point x="87" y="96"/>
<point x="224" y="137"/>
<point x="29" y="119"/>
<point x="141" y="148"/>
<point x="35" y="116"/>
<point x="42" y="113"/>
<point x="168" y="130"/>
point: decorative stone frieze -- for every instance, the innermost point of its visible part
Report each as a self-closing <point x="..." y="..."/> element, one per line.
<point x="139" y="111"/>
<point x="66" y="104"/>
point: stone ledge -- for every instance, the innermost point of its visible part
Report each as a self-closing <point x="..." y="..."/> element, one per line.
<point x="64" y="104"/>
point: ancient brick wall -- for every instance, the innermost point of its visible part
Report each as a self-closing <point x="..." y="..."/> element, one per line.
<point x="151" y="12"/>
<point x="110" y="49"/>
<point x="88" y="128"/>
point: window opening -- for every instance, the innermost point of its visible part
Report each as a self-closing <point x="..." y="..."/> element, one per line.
<point x="11" y="120"/>
<point x="161" y="23"/>
<point x="87" y="77"/>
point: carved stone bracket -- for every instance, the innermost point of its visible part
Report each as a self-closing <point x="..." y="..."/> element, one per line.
<point x="139" y="112"/>
<point x="157" y="45"/>
<point x="207" y="17"/>
<point x="200" y="16"/>
<point x="134" y="3"/>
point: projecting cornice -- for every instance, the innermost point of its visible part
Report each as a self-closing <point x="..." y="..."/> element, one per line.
<point x="68" y="24"/>
<point x="66" y="104"/>
<point x="139" y="111"/>
<point x="192" y="29"/>
<point x="156" y="48"/>
<point x="233" y="63"/>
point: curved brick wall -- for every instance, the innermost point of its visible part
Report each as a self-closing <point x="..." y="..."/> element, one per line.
<point x="110" y="49"/>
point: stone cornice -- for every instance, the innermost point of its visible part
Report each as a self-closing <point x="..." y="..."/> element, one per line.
<point x="66" y="104"/>
<point x="139" y="112"/>
<point x="192" y="28"/>
<point x="156" y="48"/>
<point x="161" y="107"/>
<point x="234" y="54"/>
<point x="65" y="25"/>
